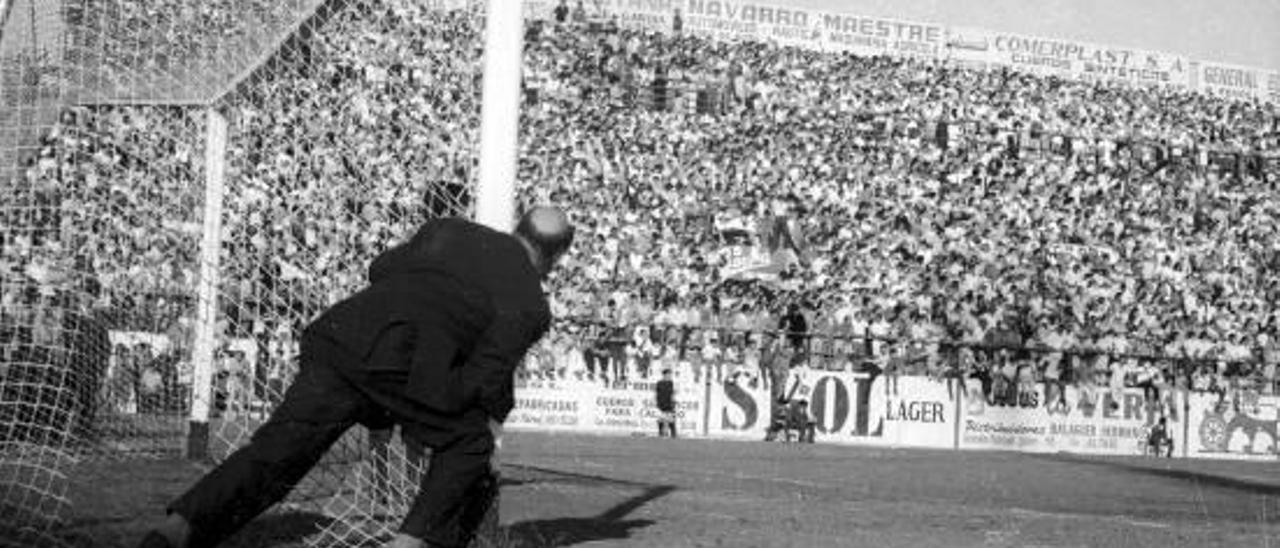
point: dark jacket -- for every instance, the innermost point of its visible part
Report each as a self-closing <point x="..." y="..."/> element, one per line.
<point x="795" y="326"/>
<point x="665" y="391"/>
<point x="456" y="307"/>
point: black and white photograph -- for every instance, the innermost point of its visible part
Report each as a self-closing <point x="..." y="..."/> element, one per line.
<point x="639" y="273"/>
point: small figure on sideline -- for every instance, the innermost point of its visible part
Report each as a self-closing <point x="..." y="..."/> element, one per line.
<point x="800" y="416"/>
<point x="666" y="394"/>
<point x="1160" y="439"/>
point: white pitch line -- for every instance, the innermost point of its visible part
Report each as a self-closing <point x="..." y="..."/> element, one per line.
<point x="803" y="483"/>
<point x="1266" y="527"/>
<point x="735" y="475"/>
<point x="1063" y="515"/>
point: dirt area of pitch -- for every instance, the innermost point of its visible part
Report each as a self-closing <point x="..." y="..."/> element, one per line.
<point x="576" y="490"/>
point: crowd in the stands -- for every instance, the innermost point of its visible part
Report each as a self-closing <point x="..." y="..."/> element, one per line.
<point x="719" y="187"/>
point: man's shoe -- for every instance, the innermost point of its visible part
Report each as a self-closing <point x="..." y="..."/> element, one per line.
<point x="155" y="540"/>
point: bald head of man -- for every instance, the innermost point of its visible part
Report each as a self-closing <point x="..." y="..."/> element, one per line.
<point x="547" y="234"/>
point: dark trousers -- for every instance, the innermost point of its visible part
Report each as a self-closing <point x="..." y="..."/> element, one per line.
<point x="323" y="402"/>
<point x="666" y="422"/>
<point x="87" y="402"/>
<point x="617" y="363"/>
<point x="595" y="359"/>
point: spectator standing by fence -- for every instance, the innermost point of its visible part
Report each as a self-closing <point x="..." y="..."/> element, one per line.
<point x="642" y="350"/>
<point x="1055" y="388"/>
<point x="795" y="327"/>
<point x="665" y="394"/>
<point x="596" y="353"/>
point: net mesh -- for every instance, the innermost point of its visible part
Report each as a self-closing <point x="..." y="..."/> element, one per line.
<point x="349" y="122"/>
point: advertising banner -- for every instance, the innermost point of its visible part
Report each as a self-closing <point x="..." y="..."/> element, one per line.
<point x="1067" y="58"/>
<point x="880" y="36"/>
<point x="738" y="411"/>
<point x="862" y="409"/>
<point x="647" y="15"/>
<point x="1240" y="427"/>
<point x="735" y="20"/>
<point x="624" y="407"/>
<point x="732" y="20"/>
<point x="906" y="412"/>
<point x="550" y="405"/>
<point x="849" y="408"/>
<point x="728" y="20"/>
<point x="1101" y="421"/>
<point x="1231" y="81"/>
<point x="1273" y="88"/>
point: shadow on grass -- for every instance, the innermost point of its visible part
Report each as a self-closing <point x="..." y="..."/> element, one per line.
<point x="608" y="525"/>
<point x="277" y="529"/>
<point x="1161" y="468"/>
<point x="520" y="474"/>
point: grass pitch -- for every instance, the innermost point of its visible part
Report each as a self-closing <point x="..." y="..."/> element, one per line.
<point x="577" y="490"/>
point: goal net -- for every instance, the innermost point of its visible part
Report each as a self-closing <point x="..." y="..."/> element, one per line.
<point x="183" y="185"/>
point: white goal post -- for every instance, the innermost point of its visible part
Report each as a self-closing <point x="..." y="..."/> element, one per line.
<point x="500" y="115"/>
<point x="202" y="352"/>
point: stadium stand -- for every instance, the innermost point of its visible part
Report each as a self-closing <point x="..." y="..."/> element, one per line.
<point x="931" y="199"/>
<point x="936" y="201"/>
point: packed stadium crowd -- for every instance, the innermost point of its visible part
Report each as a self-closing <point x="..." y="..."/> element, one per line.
<point x="344" y="155"/>
<point x="859" y="210"/>
<point x="139" y="49"/>
<point x="1061" y="215"/>
<point x="107" y="205"/>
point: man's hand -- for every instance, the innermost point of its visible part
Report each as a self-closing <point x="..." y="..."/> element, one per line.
<point x="495" y="428"/>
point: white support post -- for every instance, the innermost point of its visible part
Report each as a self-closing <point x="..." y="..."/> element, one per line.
<point x="207" y="290"/>
<point x="500" y="115"/>
<point x="4" y="16"/>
